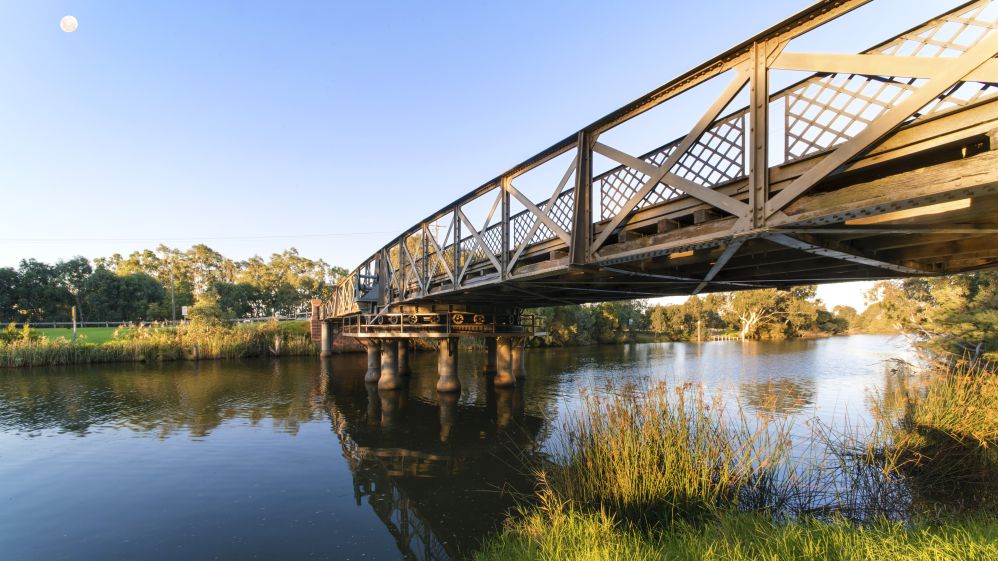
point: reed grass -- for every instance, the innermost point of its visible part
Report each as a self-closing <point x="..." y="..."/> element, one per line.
<point x="155" y="343"/>
<point x="668" y="474"/>
<point x="654" y="455"/>
<point x="558" y="531"/>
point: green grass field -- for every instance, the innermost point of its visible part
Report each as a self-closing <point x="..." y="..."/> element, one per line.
<point x="92" y="334"/>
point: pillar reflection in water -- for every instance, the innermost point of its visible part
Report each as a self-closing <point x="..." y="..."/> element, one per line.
<point x="373" y="405"/>
<point x="504" y="406"/>
<point x="373" y="360"/>
<point x="448" y="410"/>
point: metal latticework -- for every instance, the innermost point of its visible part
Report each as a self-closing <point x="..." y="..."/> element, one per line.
<point x="829" y="109"/>
<point x="718" y="156"/>
<point x="561" y="213"/>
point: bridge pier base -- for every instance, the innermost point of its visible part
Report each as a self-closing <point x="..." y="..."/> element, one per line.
<point x="325" y="339"/>
<point x="504" y="363"/>
<point x="389" y="379"/>
<point x="373" y="360"/>
<point x="490" y="356"/>
<point x="519" y="371"/>
<point x="447" y="380"/>
<point x="404" y="351"/>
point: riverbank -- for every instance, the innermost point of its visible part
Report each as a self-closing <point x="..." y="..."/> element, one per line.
<point x="154" y="343"/>
<point x="658" y="474"/>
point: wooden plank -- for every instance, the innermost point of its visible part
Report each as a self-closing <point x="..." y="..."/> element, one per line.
<point x="928" y="185"/>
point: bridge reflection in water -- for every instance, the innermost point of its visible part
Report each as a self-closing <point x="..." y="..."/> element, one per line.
<point x="439" y="473"/>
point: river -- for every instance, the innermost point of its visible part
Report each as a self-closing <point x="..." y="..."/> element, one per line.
<point x="297" y="459"/>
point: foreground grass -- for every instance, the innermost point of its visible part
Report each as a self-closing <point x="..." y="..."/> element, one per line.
<point x="668" y="475"/>
<point x="570" y="534"/>
<point x="149" y="344"/>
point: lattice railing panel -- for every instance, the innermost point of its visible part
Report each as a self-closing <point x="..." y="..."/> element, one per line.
<point x="718" y="156"/>
<point x="492" y="236"/>
<point x="829" y="109"/>
<point x="561" y="214"/>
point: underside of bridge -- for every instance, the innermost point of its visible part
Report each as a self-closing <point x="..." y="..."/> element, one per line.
<point x="879" y="164"/>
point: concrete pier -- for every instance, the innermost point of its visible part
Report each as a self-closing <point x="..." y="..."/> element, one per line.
<point x="373" y="360"/>
<point x="325" y="339"/>
<point x="389" y="379"/>
<point x="519" y="371"/>
<point x="504" y="363"/>
<point x="490" y="356"/>
<point x="404" y="351"/>
<point x="447" y="380"/>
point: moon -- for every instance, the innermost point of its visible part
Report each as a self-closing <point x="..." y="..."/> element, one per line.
<point x="68" y="24"/>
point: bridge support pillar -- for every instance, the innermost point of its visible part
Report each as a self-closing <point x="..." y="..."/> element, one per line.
<point x="326" y="339"/>
<point x="447" y="380"/>
<point x="404" y="349"/>
<point x="373" y="360"/>
<point x="519" y="371"/>
<point x="389" y="379"/>
<point x="490" y="356"/>
<point x="504" y="363"/>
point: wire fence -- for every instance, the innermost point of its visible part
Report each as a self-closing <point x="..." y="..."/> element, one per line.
<point x="80" y="324"/>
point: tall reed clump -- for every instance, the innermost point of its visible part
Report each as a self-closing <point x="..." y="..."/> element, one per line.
<point x="942" y="436"/>
<point x="659" y="455"/>
<point x="155" y="343"/>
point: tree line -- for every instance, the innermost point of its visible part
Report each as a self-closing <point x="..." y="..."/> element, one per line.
<point x="764" y="313"/>
<point x="150" y="285"/>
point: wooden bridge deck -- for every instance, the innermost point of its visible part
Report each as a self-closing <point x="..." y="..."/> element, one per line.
<point x="881" y="164"/>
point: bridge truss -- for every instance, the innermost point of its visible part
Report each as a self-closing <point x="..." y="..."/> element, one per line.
<point x="879" y="164"/>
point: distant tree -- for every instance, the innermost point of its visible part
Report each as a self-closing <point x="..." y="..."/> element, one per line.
<point x="206" y="313"/>
<point x="752" y="309"/>
<point x="238" y="300"/>
<point x="101" y="296"/>
<point x="848" y="314"/>
<point x="71" y="275"/>
<point x="667" y="321"/>
<point x="141" y="297"/>
<point x="955" y="313"/>
<point x="40" y="296"/>
<point x="9" y="285"/>
<point x="773" y="313"/>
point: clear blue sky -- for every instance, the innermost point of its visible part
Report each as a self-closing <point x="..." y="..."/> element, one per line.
<point x="255" y="126"/>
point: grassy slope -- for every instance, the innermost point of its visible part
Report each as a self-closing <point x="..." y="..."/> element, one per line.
<point x="91" y="334"/>
<point x="572" y="535"/>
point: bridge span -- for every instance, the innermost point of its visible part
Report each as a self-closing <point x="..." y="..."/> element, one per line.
<point x="878" y="164"/>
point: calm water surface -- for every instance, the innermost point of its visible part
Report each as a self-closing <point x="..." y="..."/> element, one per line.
<point x="298" y="459"/>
